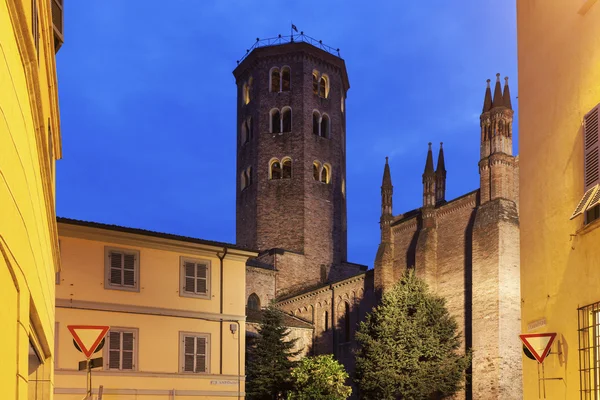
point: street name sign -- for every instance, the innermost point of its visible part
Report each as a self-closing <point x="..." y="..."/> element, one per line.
<point x="88" y="337"/>
<point x="539" y="344"/>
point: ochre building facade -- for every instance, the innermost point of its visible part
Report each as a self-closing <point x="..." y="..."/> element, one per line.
<point x="30" y="144"/>
<point x="559" y="142"/>
<point x="174" y="305"/>
<point x="291" y="207"/>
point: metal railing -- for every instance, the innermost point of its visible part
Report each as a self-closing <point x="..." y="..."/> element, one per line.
<point x="281" y="39"/>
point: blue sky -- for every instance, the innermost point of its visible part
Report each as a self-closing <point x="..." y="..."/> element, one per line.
<point x="148" y="105"/>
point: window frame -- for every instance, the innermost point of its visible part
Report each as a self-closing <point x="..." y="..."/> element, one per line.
<point x="182" y="291"/>
<point x="106" y="349"/>
<point x="107" y="283"/>
<point x="588" y="325"/>
<point x="195" y="335"/>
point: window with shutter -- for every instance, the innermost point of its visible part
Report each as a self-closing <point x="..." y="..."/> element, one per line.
<point x="195" y="278"/>
<point x="120" y="353"/>
<point x="122" y="269"/>
<point x="591" y="166"/>
<point x="194" y="354"/>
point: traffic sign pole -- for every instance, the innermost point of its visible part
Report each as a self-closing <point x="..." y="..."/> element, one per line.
<point x="88" y="339"/>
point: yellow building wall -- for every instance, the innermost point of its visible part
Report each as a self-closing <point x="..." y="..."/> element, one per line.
<point x="28" y="236"/>
<point x="157" y="311"/>
<point x="559" y="82"/>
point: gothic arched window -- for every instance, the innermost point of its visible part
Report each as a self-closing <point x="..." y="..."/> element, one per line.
<point x="253" y="302"/>
<point x="324" y="86"/>
<point x="326" y="321"/>
<point x="275" y="121"/>
<point x="325" y="173"/>
<point x="286" y="119"/>
<point x="325" y="126"/>
<point x="316" y="119"/>
<point x="285" y="79"/>
<point x="275" y="169"/>
<point x="315" y="82"/>
<point x="316" y="170"/>
<point x="286" y="168"/>
<point x="275" y="79"/>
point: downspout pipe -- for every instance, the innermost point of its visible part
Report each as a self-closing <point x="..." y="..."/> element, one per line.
<point x="221" y="258"/>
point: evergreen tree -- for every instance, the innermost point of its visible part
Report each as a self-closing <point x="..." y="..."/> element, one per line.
<point x="409" y="346"/>
<point x="268" y="361"/>
<point x="320" y="378"/>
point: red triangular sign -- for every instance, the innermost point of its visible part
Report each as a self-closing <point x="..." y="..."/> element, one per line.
<point x="538" y="344"/>
<point x="88" y="337"/>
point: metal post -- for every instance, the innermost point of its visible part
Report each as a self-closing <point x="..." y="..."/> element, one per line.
<point x="89" y="379"/>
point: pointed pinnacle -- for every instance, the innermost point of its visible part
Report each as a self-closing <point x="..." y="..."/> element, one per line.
<point x="506" y="95"/>
<point x="429" y="162"/>
<point x="387" y="176"/>
<point x="498" y="101"/>
<point x="487" y="100"/>
<point x="441" y="165"/>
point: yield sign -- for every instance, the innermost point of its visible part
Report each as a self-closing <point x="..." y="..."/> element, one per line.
<point x="88" y="337"/>
<point x="538" y="344"/>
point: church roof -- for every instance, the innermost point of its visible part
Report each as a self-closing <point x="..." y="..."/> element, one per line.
<point x="255" y="316"/>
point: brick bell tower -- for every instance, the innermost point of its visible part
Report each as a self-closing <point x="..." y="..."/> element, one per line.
<point x="291" y="157"/>
<point x="496" y="299"/>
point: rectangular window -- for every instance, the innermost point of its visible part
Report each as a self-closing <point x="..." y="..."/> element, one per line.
<point x="194" y="352"/>
<point x="195" y="278"/>
<point x="591" y="164"/>
<point x="122" y="269"/>
<point x="589" y="351"/>
<point x="120" y="349"/>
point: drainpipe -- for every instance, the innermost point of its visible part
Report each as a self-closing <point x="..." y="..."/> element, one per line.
<point x="221" y="310"/>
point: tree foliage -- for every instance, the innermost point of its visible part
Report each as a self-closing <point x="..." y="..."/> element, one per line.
<point x="269" y="359"/>
<point x="320" y="378"/>
<point x="409" y="346"/>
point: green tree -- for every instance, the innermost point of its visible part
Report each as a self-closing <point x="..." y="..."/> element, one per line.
<point x="269" y="359"/>
<point x="409" y="346"/>
<point x="320" y="378"/>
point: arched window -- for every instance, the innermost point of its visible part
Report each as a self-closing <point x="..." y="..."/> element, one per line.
<point x="315" y="82"/>
<point x="316" y="170"/>
<point x="285" y="79"/>
<point x="326" y="321"/>
<point x="325" y="173"/>
<point x="316" y="119"/>
<point x="250" y="129"/>
<point x="343" y="103"/>
<point x="244" y="133"/>
<point x="243" y="183"/>
<point x="249" y="176"/>
<point x="275" y="121"/>
<point x="286" y="172"/>
<point x="275" y="78"/>
<point x="347" y="322"/>
<point x="325" y="126"/>
<point x="246" y="91"/>
<point x="287" y="120"/>
<point x="324" y="86"/>
<point x="253" y="302"/>
<point x="275" y="169"/>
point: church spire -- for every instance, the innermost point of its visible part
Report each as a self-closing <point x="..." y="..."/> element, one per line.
<point x="429" y="180"/>
<point x="487" y="100"/>
<point x="506" y="95"/>
<point x="498" y="100"/>
<point x="440" y="177"/>
<point x="387" y="190"/>
<point x="429" y="162"/>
